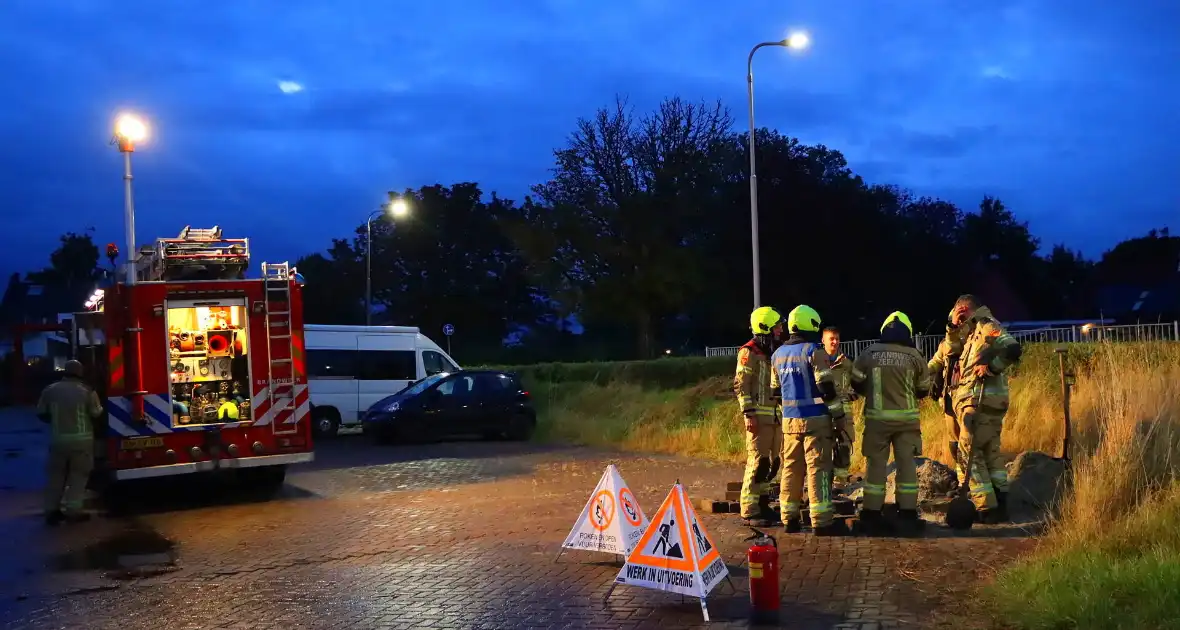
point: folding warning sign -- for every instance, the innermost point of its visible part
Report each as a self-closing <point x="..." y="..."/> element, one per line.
<point x="675" y="554"/>
<point x="612" y="520"/>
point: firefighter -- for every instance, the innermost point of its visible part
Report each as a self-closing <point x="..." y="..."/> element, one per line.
<point x="68" y="406"/>
<point x="943" y="370"/>
<point x="980" y="401"/>
<point x="812" y="414"/>
<point x="764" y="439"/>
<point x="892" y="375"/>
<point x="842" y="369"/>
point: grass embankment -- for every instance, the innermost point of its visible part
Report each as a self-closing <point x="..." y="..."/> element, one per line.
<point x="1112" y="556"/>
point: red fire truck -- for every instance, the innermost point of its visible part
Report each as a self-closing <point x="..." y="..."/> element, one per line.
<point x="203" y="369"/>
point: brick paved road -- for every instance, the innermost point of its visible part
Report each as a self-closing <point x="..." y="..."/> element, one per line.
<point x="441" y="536"/>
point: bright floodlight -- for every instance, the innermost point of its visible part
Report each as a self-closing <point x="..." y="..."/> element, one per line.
<point x="399" y="207"/>
<point x="130" y="127"/>
<point x="798" y="40"/>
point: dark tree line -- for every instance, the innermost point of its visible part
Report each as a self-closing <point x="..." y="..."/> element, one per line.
<point x="642" y="236"/>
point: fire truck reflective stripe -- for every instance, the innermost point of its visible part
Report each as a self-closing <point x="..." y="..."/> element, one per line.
<point x="119" y="418"/>
<point x="302" y="405"/>
<point x="259" y="397"/>
<point x="116" y="365"/>
<point x="158" y="409"/>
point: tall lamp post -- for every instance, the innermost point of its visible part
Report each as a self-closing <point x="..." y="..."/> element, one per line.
<point x="397" y="207"/>
<point x="797" y="41"/>
<point x="129" y="129"/>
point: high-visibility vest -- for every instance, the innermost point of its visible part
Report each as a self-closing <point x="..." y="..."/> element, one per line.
<point x="796" y="376"/>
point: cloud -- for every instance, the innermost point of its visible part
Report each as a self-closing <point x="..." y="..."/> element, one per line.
<point x="290" y="87"/>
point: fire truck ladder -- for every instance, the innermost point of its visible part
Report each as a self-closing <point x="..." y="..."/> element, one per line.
<point x="280" y="346"/>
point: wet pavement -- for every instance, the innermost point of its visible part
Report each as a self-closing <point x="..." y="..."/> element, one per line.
<point x="456" y="535"/>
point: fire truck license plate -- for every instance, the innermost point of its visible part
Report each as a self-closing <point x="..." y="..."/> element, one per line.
<point x="138" y="443"/>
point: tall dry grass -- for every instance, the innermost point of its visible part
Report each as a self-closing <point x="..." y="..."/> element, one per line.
<point x="1112" y="556"/>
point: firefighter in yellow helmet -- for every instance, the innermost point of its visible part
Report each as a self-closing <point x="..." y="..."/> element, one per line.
<point x="891" y="375"/>
<point x="812" y="414"/>
<point x="980" y="401"/>
<point x="764" y="437"/>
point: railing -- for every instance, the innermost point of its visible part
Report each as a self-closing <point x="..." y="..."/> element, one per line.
<point x="928" y="344"/>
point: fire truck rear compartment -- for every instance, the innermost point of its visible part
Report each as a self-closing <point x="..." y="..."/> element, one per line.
<point x="208" y="358"/>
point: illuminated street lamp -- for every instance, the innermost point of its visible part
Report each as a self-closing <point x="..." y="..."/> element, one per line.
<point x="798" y="41"/>
<point x="397" y="208"/>
<point x="129" y="130"/>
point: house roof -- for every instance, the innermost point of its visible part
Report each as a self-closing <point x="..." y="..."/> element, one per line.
<point x="1128" y="303"/>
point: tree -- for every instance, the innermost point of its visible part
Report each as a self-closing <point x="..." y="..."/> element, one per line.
<point x="73" y="265"/>
<point x="450" y="262"/>
<point x="625" y="210"/>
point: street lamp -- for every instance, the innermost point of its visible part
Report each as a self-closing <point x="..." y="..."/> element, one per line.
<point x="797" y="41"/>
<point x="129" y="130"/>
<point x="397" y="208"/>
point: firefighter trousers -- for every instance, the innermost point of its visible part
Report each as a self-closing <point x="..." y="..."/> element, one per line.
<point x="979" y="443"/>
<point x="807" y="461"/>
<point x="905" y="438"/>
<point x="67" y="476"/>
<point x="764" y="451"/>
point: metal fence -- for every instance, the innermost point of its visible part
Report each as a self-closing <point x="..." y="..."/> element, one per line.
<point x="927" y="344"/>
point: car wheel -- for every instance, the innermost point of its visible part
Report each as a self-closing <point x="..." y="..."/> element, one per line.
<point x="520" y="427"/>
<point x="325" y="422"/>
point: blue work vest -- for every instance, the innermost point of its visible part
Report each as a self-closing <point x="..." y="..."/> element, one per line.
<point x="801" y="396"/>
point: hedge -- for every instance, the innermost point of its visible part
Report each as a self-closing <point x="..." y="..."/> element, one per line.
<point x="680" y="372"/>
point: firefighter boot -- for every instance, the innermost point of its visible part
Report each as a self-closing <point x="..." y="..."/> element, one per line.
<point x="836" y="528"/>
<point x="793" y="525"/>
<point x="997" y="515"/>
<point x="909" y="523"/>
<point x="873" y="523"/>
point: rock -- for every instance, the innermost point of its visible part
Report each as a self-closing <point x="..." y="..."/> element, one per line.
<point x="1035" y="484"/>
<point x="935" y="480"/>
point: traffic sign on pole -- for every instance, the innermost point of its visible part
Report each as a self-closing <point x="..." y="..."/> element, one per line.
<point x="448" y="330"/>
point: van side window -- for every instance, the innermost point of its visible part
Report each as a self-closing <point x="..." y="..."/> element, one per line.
<point x="387" y="365"/>
<point x="331" y="364"/>
<point x="433" y="363"/>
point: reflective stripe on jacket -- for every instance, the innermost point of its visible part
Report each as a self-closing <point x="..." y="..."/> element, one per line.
<point x="893" y="378"/>
<point x="70" y="404"/>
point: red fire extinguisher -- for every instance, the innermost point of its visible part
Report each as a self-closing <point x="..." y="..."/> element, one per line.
<point x="762" y="560"/>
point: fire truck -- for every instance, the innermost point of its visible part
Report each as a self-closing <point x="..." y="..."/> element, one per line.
<point x="202" y="369"/>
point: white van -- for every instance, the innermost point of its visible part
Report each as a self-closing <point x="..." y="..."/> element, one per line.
<point x="351" y="367"/>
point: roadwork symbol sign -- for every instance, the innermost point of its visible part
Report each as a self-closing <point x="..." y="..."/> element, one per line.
<point x="675" y="554"/>
<point x="599" y="528"/>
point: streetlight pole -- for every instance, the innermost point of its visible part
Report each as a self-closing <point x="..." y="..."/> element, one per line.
<point x="798" y="40"/>
<point x="369" y="266"/>
<point x="129" y="129"/>
<point x="397" y="207"/>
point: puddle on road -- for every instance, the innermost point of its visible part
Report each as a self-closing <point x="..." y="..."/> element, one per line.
<point x="127" y="555"/>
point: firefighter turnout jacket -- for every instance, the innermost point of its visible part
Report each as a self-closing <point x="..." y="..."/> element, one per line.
<point x="752" y="382"/>
<point x="801" y="374"/>
<point x="985" y="342"/>
<point x="892" y="378"/>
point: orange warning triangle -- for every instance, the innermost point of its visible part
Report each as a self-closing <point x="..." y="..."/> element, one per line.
<point x="673" y="547"/>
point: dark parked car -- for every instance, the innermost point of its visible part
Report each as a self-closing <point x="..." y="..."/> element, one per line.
<point x="487" y="403"/>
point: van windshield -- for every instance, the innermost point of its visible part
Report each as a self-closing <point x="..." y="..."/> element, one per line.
<point x="422" y="385"/>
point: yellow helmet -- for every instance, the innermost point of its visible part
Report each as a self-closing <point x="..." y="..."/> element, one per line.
<point x="803" y="319"/>
<point x="227" y="410"/>
<point x="898" y="316"/>
<point x="764" y="319"/>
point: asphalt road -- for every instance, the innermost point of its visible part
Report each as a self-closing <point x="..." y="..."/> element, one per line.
<point x="455" y="535"/>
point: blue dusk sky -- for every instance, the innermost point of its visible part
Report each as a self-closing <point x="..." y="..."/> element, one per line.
<point x="287" y="120"/>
